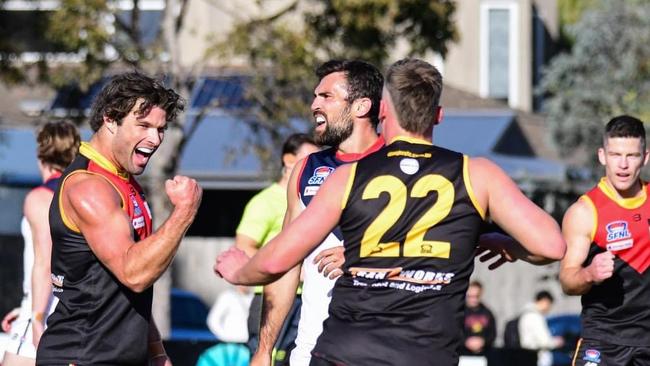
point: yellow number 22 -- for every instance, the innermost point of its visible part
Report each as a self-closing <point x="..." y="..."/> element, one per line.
<point x="414" y="245"/>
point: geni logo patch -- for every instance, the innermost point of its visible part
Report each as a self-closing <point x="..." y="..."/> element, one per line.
<point x="319" y="175"/>
<point x="617" y="230"/>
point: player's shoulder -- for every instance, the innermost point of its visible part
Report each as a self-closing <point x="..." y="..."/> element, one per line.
<point x="579" y="215"/>
<point x="85" y="186"/>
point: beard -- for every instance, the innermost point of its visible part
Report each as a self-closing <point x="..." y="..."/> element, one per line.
<point x="335" y="133"/>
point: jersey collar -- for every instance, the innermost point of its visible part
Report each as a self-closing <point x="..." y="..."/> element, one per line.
<point x="88" y="151"/>
<point x="350" y="157"/>
<point x="412" y="140"/>
<point x="629" y="203"/>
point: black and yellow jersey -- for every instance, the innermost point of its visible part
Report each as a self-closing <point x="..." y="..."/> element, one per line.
<point x="97" y="321"/>
<point x="410" y="226"/>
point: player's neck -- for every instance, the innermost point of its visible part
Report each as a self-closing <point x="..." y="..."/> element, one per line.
<point x="363" y="136"/>
<point x="636" y="190"/>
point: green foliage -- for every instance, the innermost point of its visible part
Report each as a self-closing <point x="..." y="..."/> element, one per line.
<point x="284" y="48"/>
<point x="369" y="29"/>
<point x="607" y="73"/>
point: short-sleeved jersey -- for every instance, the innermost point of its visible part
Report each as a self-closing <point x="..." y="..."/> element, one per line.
<point x="264" y="213"/>
<point x="263" y="217"/>
<point x="410" y="226"/>
<point x="617" y="311"/>
<point x="316" y="289"/>
<point x="98" y="321"/>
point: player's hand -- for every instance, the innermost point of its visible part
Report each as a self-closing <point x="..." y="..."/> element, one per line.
<point x="475" y="344"/>
<point x="601" y="267"/>
<point x="330" y="261"/>
<point x="9" y="318"/>
<point x="184" y="193"/>
<point x="229" y="263"/>
<point x="491" y="245"/>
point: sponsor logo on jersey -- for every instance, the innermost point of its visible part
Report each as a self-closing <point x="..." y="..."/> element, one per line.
<point x="311" y="190"/>
<point x="136" y="208"/>
<point x="138" y="222"/>
<point x="57" y="281"/>
<point x="319" y="175"/>
<point x="409" y="166"/>
<point x="591" y="364"/>
<point x="398" y="274"/>
<point x="592" y="355"/>
<point x="617" y="230"/>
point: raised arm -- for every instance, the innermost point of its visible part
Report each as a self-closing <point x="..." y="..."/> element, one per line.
<point x="93" y="205"/>
<point x="294" y="243"/>
<point x="536" y="231"/>
<point x="279" y="295"/>
<point x="36" y="210"/>
<point x="577" y="227"/>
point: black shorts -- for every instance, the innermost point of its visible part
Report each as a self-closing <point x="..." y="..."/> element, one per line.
<point x="590" y="352"/>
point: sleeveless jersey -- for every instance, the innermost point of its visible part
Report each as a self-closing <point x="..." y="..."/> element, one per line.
<point x="316" y="288"/>
<point x="20" y="334"/>
<point x="410" y="226"/>
<point x="617" y="311"/>
<point x="98" y="321"/>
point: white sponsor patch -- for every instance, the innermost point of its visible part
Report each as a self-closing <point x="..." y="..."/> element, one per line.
<point x="409" y="166"/>
<point x="620" y="245"/>
<point x="311" y="190"/>
<point x="138" y="222"/>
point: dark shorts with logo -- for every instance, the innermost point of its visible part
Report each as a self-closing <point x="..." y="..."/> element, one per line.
<point x="591" y="352"/>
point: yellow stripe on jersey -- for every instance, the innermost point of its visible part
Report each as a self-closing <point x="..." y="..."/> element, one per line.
<point x="468" y="187"/>
<point x="629" y="203"/>
<point x="348" y="186"/>
<point x="66" y="221"/>
<point x="88" y="151"/>
<point x="411" y="140"/>
<point x="594" y="214"/>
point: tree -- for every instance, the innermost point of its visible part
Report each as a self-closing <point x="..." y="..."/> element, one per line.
<point x="607" y="73"/>
<point x="280" y="50"/>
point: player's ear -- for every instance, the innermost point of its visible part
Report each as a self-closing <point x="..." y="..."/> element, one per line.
<point x="438" y="116"/>
<point x="361" y="107"/>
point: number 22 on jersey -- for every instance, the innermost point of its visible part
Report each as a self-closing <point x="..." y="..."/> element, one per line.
<point x="414" y="244"/>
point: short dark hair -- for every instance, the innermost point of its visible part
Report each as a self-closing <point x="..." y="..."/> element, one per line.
<point x="625" y="126"/>
<point x="364" y="81"/>
<point x="414" y="87"/>
<point x="293" y="143"/>
<point x="117" y="98"/>
<point x="58" y="143"/>
<point x="544" y="295"/>
<point x="476" y="283"/>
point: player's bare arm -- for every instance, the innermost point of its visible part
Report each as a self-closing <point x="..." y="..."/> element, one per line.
<point x="536" y="231"/>
<point x="292" y="244"/>
<point x="279" y="295"/>
<point x="246" y="243"/>
<point x="94" y="206"/>
<point x="577" y="227"/>
<point x="36" y="210"/>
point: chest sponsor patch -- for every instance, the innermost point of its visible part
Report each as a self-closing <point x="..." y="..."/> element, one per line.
<point x="311" y="190"/>
<point x="617" y="230"/>
<point x="319" y="175"/>
<point x="138" y="222"/>
<point x="620" y="245"/>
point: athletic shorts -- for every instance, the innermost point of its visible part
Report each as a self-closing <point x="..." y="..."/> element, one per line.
<point x="590" y="352"/>
<point x="20" y="337"/>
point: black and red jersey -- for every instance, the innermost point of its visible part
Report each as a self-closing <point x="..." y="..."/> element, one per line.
<point x="617" y="310"/>
<point x="98" y="321"/>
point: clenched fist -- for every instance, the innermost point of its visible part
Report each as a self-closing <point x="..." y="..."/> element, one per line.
<point x="601" y="267"/>
<point x="229" y="263"/>
<point x="184" y="193"/>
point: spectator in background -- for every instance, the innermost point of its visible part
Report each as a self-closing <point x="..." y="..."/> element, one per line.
<point x="479" y="326"/>
<point x="262" y="220"/>
<point x="534" y="333"/>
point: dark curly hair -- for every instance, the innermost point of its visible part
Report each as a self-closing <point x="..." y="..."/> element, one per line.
<point x="117" y="98"/>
